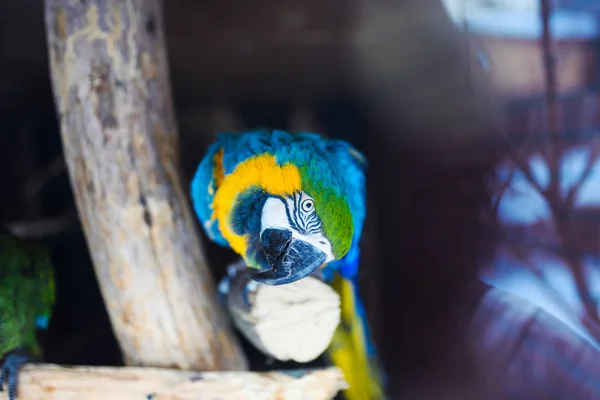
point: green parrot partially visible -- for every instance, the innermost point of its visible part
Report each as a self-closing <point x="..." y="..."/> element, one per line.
<point x="27" y="296"/>
<point x="293" y="205"/>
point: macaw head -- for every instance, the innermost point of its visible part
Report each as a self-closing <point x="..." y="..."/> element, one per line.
<point x="286" y="219"/>
<point x="300" y="232"/>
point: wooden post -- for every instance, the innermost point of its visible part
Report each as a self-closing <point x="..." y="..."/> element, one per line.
<point x="111" y="86"/>
<point x="293" y="322"/>
<point x="52" y="382"/>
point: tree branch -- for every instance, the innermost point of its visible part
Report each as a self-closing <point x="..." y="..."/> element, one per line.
<point x="49" y="382"/>
<point x="111" y="86"/>
<point x="587" y="171"/>
<point x="293" y="322"/>
<point x="42" y="227"/>
<point x="53" y="170"/>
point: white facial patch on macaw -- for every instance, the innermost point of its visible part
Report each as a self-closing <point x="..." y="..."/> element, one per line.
<point x="296" y="214"/>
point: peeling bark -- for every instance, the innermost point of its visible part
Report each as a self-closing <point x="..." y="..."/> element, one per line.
<point x="111" y="86"/>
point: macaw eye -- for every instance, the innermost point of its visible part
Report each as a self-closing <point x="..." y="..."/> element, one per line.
<point x="307" y="205"/>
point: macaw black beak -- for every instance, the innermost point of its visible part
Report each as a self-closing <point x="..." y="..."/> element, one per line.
<point x="290" y="260"/>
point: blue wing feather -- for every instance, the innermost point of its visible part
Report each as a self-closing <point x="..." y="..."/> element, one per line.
<point x="203" y="188"/>
<point x="352" y="165"/>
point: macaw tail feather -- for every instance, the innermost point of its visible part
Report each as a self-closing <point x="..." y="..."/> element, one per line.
<point x="351" y="349"/>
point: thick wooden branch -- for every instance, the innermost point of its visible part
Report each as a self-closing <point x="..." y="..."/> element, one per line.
<point x="48" y="382"/>
<point x="111" y="85"/>
<point x="293" y="322"/>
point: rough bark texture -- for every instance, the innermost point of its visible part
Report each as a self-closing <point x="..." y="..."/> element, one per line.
<point x="111" y="87"/>
<point x="48" y="382"/>
<point x="293" y="322"/>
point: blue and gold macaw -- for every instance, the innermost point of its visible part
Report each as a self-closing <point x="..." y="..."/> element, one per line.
<point x="291" y="206"/>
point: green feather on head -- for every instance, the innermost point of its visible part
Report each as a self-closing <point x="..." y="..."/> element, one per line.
<point x="333" y="211"/>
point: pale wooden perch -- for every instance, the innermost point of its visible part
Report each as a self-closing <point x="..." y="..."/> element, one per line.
<point x="49" y="382"/>
<point x="293" y="322"/>
<point x="111" y="85"/>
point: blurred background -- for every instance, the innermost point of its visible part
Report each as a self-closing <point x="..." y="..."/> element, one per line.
<point x="479" y="119"/>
